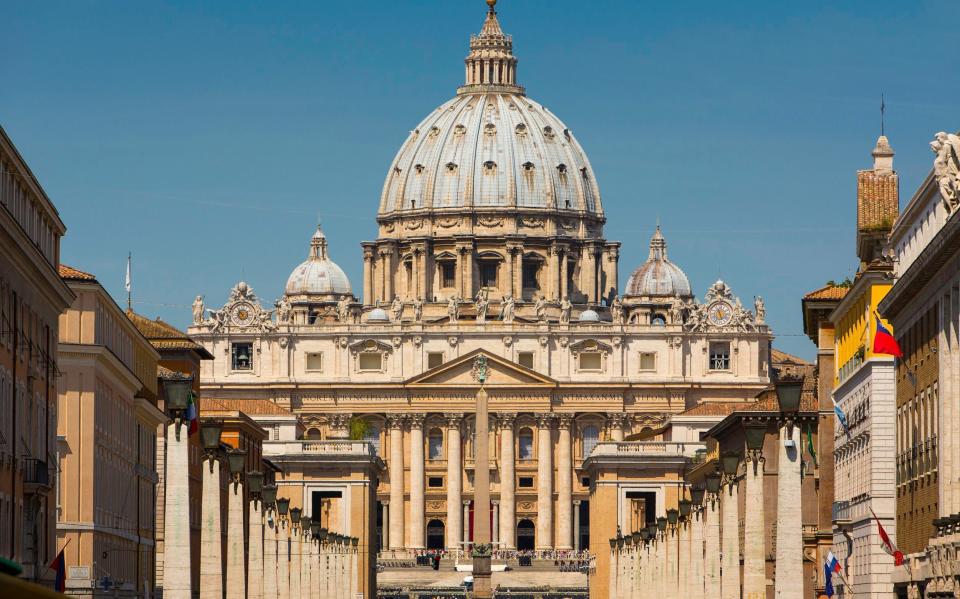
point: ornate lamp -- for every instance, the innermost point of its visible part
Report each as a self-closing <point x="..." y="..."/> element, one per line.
<point x="652" y="531"/>
<point x="355" y="541"/>
<point x="315" y="529"/>
<point x="283" y="506"/>
<point x="730" y="463"/>
<point x="754" y="433"/>
<point x="789" y="392"/>
<point x="177" y="392"/>
<point x="305" y="525"/>
<point x="672" y="516"/>
<point x="685" y="507"/>
<point x="661" y="523"/>
<point x="210" y="436"/>
<point x="613" y="543"/>
<point x="269" y="495"/>
<point x="712" y="481"/>
<point x="255" y="483"/>
<point x="236" y="460"/>
<point x="645" y="535"/>
<point x="295" y="515"/>
<point x="696" y="494"/>
<point x="636" y="537"/>
<point x="323" y="535"/>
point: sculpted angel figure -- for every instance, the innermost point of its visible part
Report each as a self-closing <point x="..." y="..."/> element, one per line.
<point x="418" y="309"/>
<point x="396" y="308"/>
<point x="946" y="167"/>
<point x="198" y="310"/>
<point x="541" y="308"/>
<point x="482" y="303"/>
<point x="565" y="308"/>
<point x="507" y="308"/>
<point x="760" y="309"/>
<point x="453" y="308"/>
<point x="283" y="310"/>
<point x="616" y="310"/>
<point x="343" y="308"/>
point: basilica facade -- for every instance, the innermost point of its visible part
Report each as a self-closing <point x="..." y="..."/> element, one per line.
<point x="490" y="240"/>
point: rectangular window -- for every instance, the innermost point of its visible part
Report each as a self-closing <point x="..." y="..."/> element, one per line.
<point x="448" y="277"/>
<point x="434" y="359"/>
<point x="488" y="274"/>
<point x="591" y="360"/>
<point x="435" y="482"/>
<point x="370" y="361"/>
<point x="648" y="361"/>
<point x="720" y="355"/>
<point x="242" y="356"/>
<point x="525" y="359"/>
<point x="525" y="482"/>
<point x="314" y="362"/>
<point x="530" y="271"/>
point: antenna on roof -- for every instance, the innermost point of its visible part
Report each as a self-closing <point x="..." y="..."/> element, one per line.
<point x="883" y="110"/>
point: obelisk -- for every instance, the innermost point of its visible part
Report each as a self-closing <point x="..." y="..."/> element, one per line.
<point x="482" y="550"/>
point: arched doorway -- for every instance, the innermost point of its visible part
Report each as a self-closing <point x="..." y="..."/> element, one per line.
<point x="525" y="535"/>
<point x="435" y="538"/>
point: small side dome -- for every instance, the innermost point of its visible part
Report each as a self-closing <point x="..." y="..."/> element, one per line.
<point x="378" y="315"/>
<point x="589" y="316"/>
<point x="318" y="278"/>
<point x="658" y="277"/>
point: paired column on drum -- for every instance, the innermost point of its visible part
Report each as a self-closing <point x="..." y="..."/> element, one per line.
<point x="545" y="481"/>
<point x="395" y="426"/>
<point x="508" y="481"/>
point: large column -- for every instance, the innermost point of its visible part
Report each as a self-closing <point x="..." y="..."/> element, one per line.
<point x="387" y="265"/>
<point x="176" y="522"/>
<point x="236" y="576"/>
<point x="576" y="525"/>
<point x="564" y="292"/>
<point x="316" y="572"/>
<point x="495" y="529"/>
<point x="711" y="551"/>
<point x="754" y="532"/>
<point x="564" y="484"/>
<point x="296" y="562"/>
<point x="417" y="513"/>
<point x="589" y="269"/>
<point x="270" y="555"/>
<point x="695" y="578"/>
<point x="544" y="481"/>
<point x="508" y="501"/>
<point x="454" y="484"/>
<point x="395" y="425"/>
<point x="614" y="583"/>
<point x="789" y="523"/>
<point x="255" y="558"/>
<point x="385" y="526"/>
<point x="354" y="585"/>
<point x="368" y="275"/>
<point x="730" y="543"/>
<point x="683" y="557"/>
<point x="211" y="564"/>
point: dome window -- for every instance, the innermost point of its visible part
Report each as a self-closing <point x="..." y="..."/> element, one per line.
<point x="434" y="131"/>
<point x="658" y="320"/>
<point x="548" y="132"/>
<point x="528" y="166"/>
<point x="520" y="129"/>
<point x="459" y="131"/>
<point x="397" y="169"/>
<point x="583" y="171"/>
<point x="562" y="168"/>
<point x="418" y="168"/>
<point x="567" y="134"/>
<point x="490" y="129"/>
<point x="451" y="167"/>
<point x="489" y="167"/>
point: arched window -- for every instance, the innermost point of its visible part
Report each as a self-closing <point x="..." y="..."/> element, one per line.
<point x="526" y="444"/>
<point x="313" y="434"/>
<point x="591" y="436"/>
<point x="658" y="320"/>
<point x="435" y="440"/>
<point x="373" y="436"/>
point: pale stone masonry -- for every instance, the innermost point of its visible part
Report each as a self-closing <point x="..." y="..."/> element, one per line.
<point x="754" y="533"/>
<point x="789" y="554"/>
<point x="211" y="542"/>
<point x="176" y="524"/>
<point x="236" y="559"/>
<point x="730" y="542"/>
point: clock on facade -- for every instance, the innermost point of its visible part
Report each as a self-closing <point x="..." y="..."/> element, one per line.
<point x="720" y="313"/>
<point x="242" y="314"/>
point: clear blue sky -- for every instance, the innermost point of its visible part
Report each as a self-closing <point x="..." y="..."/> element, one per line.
<point x="206" y="137"/>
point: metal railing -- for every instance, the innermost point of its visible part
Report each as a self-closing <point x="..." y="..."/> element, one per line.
<point x="35" y="472"/>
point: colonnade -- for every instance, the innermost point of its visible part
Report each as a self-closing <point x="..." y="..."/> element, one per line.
<point x="553" y="531"/>
<point x="695" y="549"/>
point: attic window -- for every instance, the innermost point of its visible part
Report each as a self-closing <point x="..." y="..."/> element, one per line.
<point x="459" y="131"/>
<point x="521" y="129"/>
<point x="528" y="166"/>
<point x="451" y="167"/>
<point x="489" y="167"/>
<point x="490" y="129"/>
<point x="418" y="168"/>
<point x="434" y="131"/>
<point x="567" y="134"/>
<point x="548" y="132"/>
<point x="562" y="168"/>
<point x="583" y="171"/>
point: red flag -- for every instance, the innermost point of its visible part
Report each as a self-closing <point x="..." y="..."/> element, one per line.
<point x="884" y="342"/>
<point x="887" y="544"/>
<point x="57" y="565"/>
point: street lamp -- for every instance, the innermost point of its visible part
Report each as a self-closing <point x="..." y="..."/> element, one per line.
<point x="713" y="482"/>
<point x="295" y="515"/>
<point x="696" y="495"/>
<point x="652" y="531"/>
<point x="255" y="483"/>
<point x="283" y="506"/>
<point x="315" y="529"/>
<point x="661" y="523"/>
<point x="789" y="392"/>
<point x="210" y="439"/>
<point x="672" y="515"/>
<point x="236" y="460"/>
<point x="685" y="507"/>
<point x="754" y="432"/>
<point x="730" y="462"/>
<point x="269" y="495"/>
<point x="177" y="390"/>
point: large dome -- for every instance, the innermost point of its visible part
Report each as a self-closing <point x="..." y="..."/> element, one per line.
<point x="490" y="148"/>
<point x="318" y="277"/>
<point x="658" y="276"/>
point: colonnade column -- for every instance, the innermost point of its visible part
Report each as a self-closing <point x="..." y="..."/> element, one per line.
<point x="754" y="532"/>
<point x="544" y="481"/>
<point x="296" y="547"/>
<point x="670" y="580"/>
<point x="454" y="488"/>
<point x="495" y="529"/>
<point x="395" y="425"/>
<point x="417" y="514"/>
<point x="711" y="550"/>
<point x="283" y="559"/>
<point x="508" y="501"/>
<point x="236" y="579"/>
<point x="387" y="266"/>
<point x="614" y="581"/>
<point x="270" y="554"/>
<point x="466" y="521"/>
<point x="789" y="523"/>
<point x="695" y="579"/>
<point x="255" y="558"/>
<point x="683" y="556"/>
<point x="564" y="484"/>
<point x="211" y="565"/>
<point x="730" y="542"/>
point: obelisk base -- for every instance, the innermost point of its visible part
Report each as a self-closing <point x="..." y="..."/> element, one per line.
<point x="482" y="585"/>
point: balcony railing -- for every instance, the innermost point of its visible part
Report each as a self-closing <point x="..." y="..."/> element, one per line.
<point x="841" y="512"/>
<point x="35" y="472"/>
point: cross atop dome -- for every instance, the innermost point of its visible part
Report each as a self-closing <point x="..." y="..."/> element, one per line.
<point x="491" y="65"/>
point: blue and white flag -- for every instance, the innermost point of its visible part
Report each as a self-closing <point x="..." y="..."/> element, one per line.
<point x="842" y="418"/>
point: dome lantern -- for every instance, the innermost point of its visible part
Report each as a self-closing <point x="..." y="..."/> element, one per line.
<point x="491" y="65"/>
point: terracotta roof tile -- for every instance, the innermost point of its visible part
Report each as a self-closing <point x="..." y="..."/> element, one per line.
<point x="779" y="357"/>
<point x="828" y="292"/>
<point x="166" y="374"/>
<point x="165" y="336"/>
<point x="250" y="407"/>
<point x="72" y="274"/>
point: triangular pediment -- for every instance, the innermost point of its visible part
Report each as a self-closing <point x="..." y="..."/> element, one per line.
<point x="500" y="373"/>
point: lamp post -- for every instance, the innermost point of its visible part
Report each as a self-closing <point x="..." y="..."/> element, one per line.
<point x="271" y="589"/>
<point x="177" y="567"/>
<point x="255" y="536"/>
<point x="754" y="561"/>
<point x="283" y="549"/>
<point x="236" y="583"/>
<point x="211" y="564"/>
<point x="789" y="517"/>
